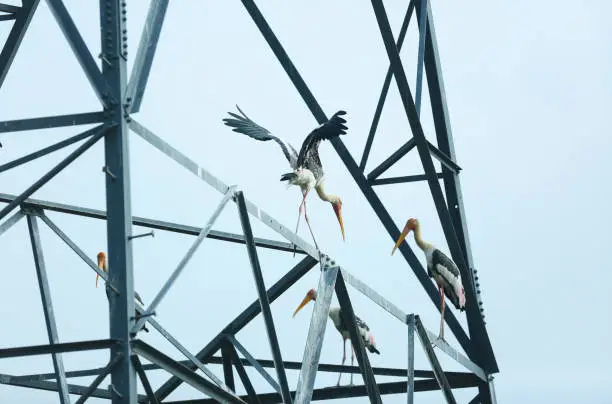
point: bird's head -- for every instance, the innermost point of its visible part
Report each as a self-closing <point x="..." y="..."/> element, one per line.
<point x="336" y="203"/>
<point x="411" y="224"/>
<point x="311" y="295"/>
<point x="101" y="265"/>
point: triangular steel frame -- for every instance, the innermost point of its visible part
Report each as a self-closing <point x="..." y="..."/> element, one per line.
<point x="120" y="98"/>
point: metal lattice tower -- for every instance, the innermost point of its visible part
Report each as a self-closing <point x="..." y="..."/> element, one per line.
<point x="121" y="98"/>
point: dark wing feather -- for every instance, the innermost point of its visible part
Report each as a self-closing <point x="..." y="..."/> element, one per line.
<point x="441" y="260"/>
<point x="344" y="323"/>
<point x="309" y="153"/>
<point x="244" y="125"/>
<point x="438" y="257"/>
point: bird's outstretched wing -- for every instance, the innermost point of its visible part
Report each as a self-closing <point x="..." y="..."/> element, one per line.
<point x="242" y="124"/>
<point x="309" y="153"/>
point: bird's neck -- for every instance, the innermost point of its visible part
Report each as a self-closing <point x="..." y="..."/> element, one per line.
<point x="423" y="245"/>
<point x="323" y="195"/>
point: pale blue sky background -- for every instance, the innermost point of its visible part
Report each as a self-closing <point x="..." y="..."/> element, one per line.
<point x="529" y="95"/>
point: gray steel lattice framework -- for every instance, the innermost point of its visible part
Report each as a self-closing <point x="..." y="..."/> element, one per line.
<point x="120" y="98"/>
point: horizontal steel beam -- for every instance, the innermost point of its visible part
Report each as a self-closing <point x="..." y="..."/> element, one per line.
<point x="7" y="8"/>
<point x="400" y="180"/>
<point x="17" y="381"/>
<point x="57" y="348"/>
<point x="264" y="363"/>
<point x="48" y="122"/>
<point x="151" y="223"/>
<point x="8" y="17"/>
<point x="329" y="393"/>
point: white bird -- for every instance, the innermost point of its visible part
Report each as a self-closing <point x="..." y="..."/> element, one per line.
<point x="439" y="267"/>
<point x="307" y="167"/>
<point x="341" y="323"/>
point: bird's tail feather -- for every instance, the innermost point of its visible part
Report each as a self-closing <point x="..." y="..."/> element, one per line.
<point x="373" y="349"/>
<point x="288" y="177"/>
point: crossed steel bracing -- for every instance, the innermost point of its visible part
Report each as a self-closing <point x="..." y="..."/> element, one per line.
<point x="120" y="98"/>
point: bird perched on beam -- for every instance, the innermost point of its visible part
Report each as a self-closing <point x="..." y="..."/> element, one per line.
<point x="103" y="265"/>
<point x="342" y="325"/>
<point x="439" y="267"/>
<point x="307" y="168"/>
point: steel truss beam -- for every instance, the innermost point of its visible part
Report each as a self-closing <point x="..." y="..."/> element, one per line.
<point x="357" y="175"/>
<point x="45" y="294"/>
<point x="330" y="393"/>
<point x="145" y="54"/>
<point x="23" y="15"/>
<point x="110" y="84"/>
<point x="48" y="122"/>
<point x="264" y="363"/>
<point x="196" y="381"/>
<point x="149" y="223"/>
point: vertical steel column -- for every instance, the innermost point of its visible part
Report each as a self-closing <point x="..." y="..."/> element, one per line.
<point x="410" y="390"/>
<point x="316" y="332"/>
<point x="45" y="295"/>
<point x="119" y="223"/>
<point x="263" y="298"/>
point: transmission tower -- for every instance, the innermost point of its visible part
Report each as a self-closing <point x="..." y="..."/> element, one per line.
<point x="120" y="96"/>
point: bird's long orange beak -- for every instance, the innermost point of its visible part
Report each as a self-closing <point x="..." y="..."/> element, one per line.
<point x="338" y="212"/>
<point x="101" y="261"/>
<point x="402" y="236"/>
<point x="306" y="300"/>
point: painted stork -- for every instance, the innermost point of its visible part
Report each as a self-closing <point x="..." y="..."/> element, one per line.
<point x="440" y="267"/>
<point x="103" y="265"/>
<point x="307" y="168"/>
<point x="341" y="324"/>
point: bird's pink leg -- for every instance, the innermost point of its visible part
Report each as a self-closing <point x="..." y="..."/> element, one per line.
<point x="300" y="216"/>
<point x="309" y="228"/>
<point x="352" y="359"/>
<point x="441" y="336"/>
<point x="343" y="359"/>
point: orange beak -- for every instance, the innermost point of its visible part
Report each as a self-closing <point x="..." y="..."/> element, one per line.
<point x="306" y="300"/>
<point x="338" y="212"/>
<point x="402" y="236"/>
<point x="101" y="262"/>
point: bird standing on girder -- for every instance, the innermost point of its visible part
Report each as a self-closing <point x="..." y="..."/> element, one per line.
<point x="307" y="168"/>
<point x="342" y="325"/>
<point x="439" y="267"/>
<point x="103" y="265"/>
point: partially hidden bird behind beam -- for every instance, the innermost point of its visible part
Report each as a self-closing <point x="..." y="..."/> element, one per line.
<point x="342" y="325"/>
<point x="103" y="265"/>
<point x="307" y="168"/>
<point x="439" y="267"/>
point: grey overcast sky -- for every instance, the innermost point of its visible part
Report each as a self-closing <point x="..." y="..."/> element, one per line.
<point x="529" y="94"/>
